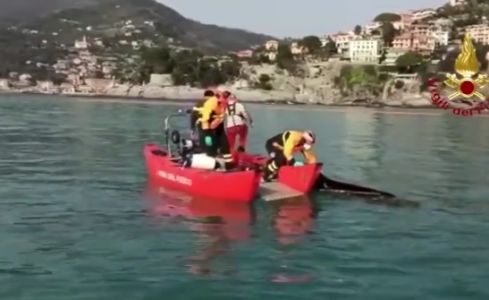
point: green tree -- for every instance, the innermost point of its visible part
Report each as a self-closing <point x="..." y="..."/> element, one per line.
<point x="159" y="59"/>
<point x="264" y="82"/>
<point x="312" y="43"/>
<point x="209" y="75"/>
<point x="359" y="78"/>
<point x="387" y="17"/>
<point x="357" y="30"/>
<point x="409" y="61"/>
<point x="285" y="58"/>
<point x="230" y="69"/>
<point x="330" y="47"/>
<point x="389" y="32"/>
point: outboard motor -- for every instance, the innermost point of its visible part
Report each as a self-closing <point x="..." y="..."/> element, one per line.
<point x="188" y="148"/>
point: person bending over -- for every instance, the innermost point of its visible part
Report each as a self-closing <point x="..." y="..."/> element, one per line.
<point x="282" y="147"/>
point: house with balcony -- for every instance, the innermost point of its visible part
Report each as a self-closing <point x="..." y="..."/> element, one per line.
<point x="365" y="50"/>
<point x="342" y="41"/>
<point x="423" y="44"/>
<point x="479" y="32"/>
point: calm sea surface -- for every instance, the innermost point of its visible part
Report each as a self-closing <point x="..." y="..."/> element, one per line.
<point x="77" y="220"/>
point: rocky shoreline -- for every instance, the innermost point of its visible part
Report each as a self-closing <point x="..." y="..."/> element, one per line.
<point x="256" y="96"/>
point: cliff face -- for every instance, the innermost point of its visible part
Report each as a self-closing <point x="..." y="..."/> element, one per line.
<point x="339" y="83"/>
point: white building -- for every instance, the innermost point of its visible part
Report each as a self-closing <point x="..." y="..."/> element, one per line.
<point x="365" y="50"/>
<point x="296" y="49"/>
<point x="272" y="56"/>
<point x="440" y="35"/>
<point x="457" y="2"/>
<point x="271" y="45"/>
<point x="479" y="32"/>
<point x="83" y="44"/>
<point x="422" y="14"/>
<point x="371" y="27"/>
<point x="392" y="55"/>
<point x="342" y="41"/>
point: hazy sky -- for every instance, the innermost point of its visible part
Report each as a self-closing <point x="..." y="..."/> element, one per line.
<point x="288" y="18"/>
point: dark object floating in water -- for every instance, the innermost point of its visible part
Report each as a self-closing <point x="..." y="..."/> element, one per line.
<point x="371" y="195"/>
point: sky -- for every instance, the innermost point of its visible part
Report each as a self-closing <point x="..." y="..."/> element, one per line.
<point x="292" y="18"/>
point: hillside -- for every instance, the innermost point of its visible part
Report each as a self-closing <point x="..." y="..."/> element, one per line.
<point x="107" y="18"/>
<point x="24" y="10"/>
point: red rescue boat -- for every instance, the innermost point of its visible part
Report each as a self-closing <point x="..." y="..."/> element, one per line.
<point x="236" y="186"/>
<point x="165" y="167"/>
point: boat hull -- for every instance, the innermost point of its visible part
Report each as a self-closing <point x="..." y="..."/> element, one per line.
<point x="238" y="186"/>
<point x="233" y="186"/>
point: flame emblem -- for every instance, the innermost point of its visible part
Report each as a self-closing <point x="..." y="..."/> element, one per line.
<point x="467" y="67"/>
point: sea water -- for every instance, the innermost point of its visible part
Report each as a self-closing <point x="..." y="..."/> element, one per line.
<point x="77" y="221"/>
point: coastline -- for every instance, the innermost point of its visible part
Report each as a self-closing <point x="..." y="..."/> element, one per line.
<point x="282" y="105"/>
<point x="244" y="97"/>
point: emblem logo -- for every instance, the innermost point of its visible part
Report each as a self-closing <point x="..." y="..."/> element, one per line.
<point x="465" y="86"/>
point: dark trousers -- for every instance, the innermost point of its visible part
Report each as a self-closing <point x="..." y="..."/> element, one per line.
<point x="277" y="160"/>
<point x="220" y="145"/>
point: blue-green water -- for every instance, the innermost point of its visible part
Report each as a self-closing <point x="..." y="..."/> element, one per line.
<point x="74" y="223"/>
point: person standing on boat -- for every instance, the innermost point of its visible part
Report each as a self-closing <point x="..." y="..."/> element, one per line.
<point x="211" y="128"/>
<point x="195" y="113"/>
<point x="237" y="120"/>
<point x="282" y="147"/>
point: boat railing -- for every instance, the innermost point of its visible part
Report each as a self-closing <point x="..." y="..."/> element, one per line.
<point x="172" y="136"/>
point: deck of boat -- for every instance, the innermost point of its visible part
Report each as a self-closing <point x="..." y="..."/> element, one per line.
<point x="272" y="191"/>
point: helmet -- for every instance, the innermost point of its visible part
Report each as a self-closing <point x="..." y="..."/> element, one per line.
<point x="208" y="93"/>
<point x="226" y="94"/>
<point x="309" y="136"/>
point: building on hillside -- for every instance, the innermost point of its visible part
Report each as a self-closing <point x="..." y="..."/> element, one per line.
<point x="400" y="25"/>
<point x="272" y="56"/>
<point x="46" y="86"/>
<point x="83" y="44"/>
<point x="271" y="45"/>
<point x="422" y="14"/>
<point x="391" y="56"/>
<point x="479" y="32"/>
<point x="420" y="43"/>
<point x="244" y="53"/>
<point x="324" y="41"/>
<point x="369" y="28"/>
<point x="441" y="35"/>
<point x="342" y="41"/>
<point x="442" y="23"/>
<point x="457" y="2"/>
<point x="296" y="49"/>
<point x="407" y="19"/>
<point x="365" y="50"/>
<point x="161" y="80"/>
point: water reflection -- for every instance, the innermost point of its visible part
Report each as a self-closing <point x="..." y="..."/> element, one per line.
<point x="293" y="219"/>
<point x="218" y="225"/>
